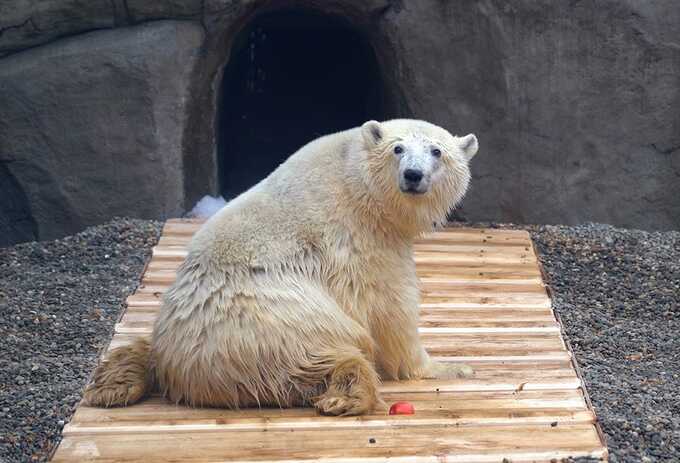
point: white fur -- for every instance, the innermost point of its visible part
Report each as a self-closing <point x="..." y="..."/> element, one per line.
<point x="308" y="278"/>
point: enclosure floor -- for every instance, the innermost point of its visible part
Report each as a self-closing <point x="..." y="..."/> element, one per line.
<point x="484" y="303"/>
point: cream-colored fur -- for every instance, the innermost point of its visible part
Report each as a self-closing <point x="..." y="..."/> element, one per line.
<point x="303" y="289"/>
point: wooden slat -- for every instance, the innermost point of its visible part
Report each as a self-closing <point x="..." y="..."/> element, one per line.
<point x="529" y="292"/>
<point x="471" y="293"/>
<point x="496" y="300"/>
<point x="444" y="302"/>
<point x="140" y="320"/>
<point x="431" y="268"/>
<point x="471" y="270"/>
<point x="151" y="296"/>
<point x="188" y="227"/>
<point x="465" y="320"/>
<point x="310" y="419"/>
<point x="458" y="311"/>
<point x="458" y="443"/>
<point x="159" y="274"/>
<point x="450" y="243"/>
<point x="471" y="255"/>
<point x="483" y="303"/>
<point x="449" y="409"/>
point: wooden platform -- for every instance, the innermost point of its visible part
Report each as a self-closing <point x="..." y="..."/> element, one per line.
<point x="484" y="303"/>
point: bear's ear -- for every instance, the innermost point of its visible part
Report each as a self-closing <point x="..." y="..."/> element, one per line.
<point x="372" y="132"/>
<point x="469" y="145"/>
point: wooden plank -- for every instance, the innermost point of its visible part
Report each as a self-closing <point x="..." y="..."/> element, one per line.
<point x="141" y="319"/>
<point x="477" y="270"/>
<point x="460" y="311"/>
<point x="424" y="258"/>
<point x="428" y="281"/>
<point x="146" y="295"/>
<point x="179" y="253"/>
<point x="160" y="274"/>
<point x="431" y="322"/>
<point x="472" y="290"/>
<point x="180" y="228"/>
<point x="469" y="293"/>
<point x="482" y="300"/>
<point x="146" y="327"/>
<point x="310" y="419"/>
<point x="472" y="239"/>
<point x="450" y="241"/>
<point x="490" y="443"/>
<point x="475" y="289"/>
<point x="463" y="313"/>
<point x="187" y="227"/>
<point x="431" y="268"/>
<point x="158" y="409"/>
<point x="428" y="287"/>
<point x="499" y="232"/>
<point x="469" y="248"/>
<point x="450" y="409"/>
<point x="461" y="318"/>
<point x="446" y="303"/>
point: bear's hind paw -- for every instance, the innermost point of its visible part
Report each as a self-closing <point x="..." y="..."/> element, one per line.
<point x="345" y="405"/>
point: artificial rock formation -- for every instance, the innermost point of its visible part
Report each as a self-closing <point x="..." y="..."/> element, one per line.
<point x="92" y="126"/>
<point x="112" y="108"/>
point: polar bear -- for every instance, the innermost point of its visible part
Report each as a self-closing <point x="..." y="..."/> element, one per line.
<point x="303" y="290"/>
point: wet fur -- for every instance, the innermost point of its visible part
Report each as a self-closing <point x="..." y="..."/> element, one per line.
<point x="301" y="291"/>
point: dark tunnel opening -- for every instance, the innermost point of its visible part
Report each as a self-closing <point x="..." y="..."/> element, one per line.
<point x="292" y="76"/>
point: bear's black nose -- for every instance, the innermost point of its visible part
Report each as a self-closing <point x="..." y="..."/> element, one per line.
<point x="413" y="175"/>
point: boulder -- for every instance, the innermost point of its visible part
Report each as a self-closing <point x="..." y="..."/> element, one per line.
<point x="93" y="126"/>
<point x="27" y="23"/>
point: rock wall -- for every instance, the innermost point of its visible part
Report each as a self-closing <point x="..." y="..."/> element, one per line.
<point x="577" y="104"/>
<point x="92" y="127"/>
<point x="109" y="107"/>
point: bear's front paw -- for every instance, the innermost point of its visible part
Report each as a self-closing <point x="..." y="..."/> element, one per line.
<point x="439" y="370"/>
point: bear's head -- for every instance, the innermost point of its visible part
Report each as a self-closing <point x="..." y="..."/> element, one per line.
<point x="417" y="170"/>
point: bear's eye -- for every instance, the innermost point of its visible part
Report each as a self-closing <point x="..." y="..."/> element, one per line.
<point x="436" y="152"/>
<point x="398" y="149"/>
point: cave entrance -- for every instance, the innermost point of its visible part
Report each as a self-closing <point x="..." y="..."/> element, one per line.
<point x="292" y="76"/>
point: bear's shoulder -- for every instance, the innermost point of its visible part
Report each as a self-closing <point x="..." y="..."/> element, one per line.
<point x="256" y="231"/>
<point x="286" y="215"/>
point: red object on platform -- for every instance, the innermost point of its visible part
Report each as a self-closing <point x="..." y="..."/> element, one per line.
<point x="402" y="408"/>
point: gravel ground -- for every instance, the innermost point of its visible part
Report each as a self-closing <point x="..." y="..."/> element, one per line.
<point x="617" y="292"/>
<point x="58" y="303"/>
<point x="618" y="295"/>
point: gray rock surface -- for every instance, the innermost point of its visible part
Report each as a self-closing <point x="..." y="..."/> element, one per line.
<point x="575" y="103"/>
<point x="92" y="127"/>
<point x="27" y="23"/>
